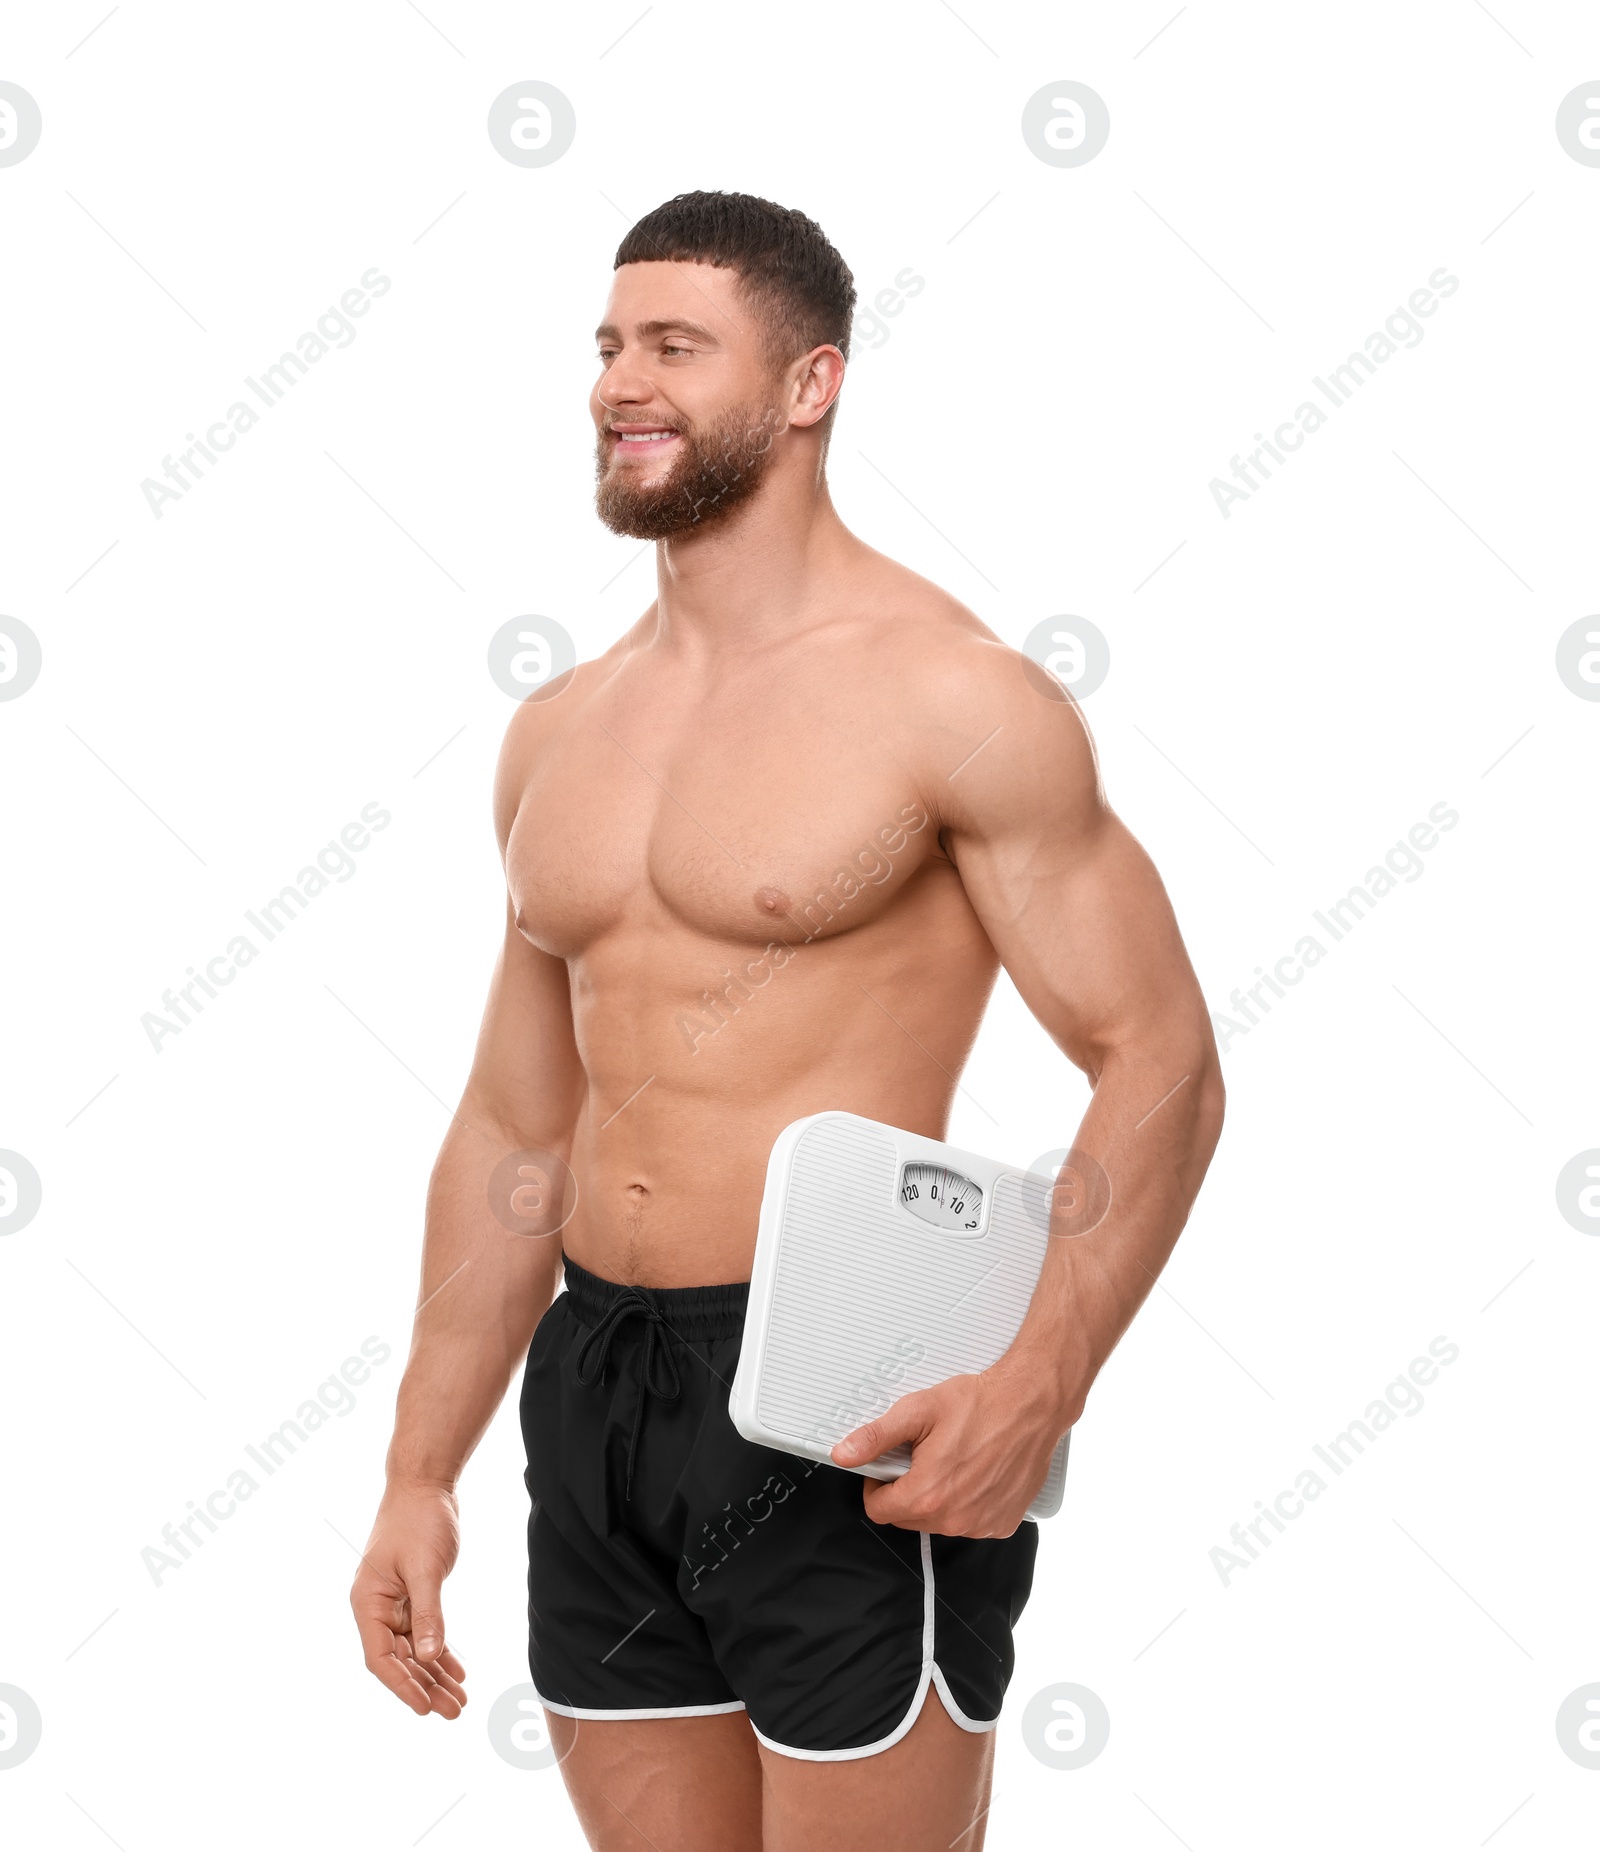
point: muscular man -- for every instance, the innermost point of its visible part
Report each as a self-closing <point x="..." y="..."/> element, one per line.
<point x="764" y="858"/>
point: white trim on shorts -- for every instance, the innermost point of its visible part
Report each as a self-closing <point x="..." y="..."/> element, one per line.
<point x="930" y="1675"/>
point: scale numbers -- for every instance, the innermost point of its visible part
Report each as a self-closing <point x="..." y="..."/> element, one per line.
<point x="941" y="1196"/>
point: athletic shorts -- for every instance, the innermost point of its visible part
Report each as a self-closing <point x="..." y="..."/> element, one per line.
<point x="676" y="1569"/>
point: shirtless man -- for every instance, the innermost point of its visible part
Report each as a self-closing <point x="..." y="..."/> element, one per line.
<point x="764" y="858"/>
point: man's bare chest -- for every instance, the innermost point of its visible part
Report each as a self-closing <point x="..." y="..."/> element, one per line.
<point x="740" y="832"/>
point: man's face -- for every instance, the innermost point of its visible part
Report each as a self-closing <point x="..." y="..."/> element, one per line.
<point x="686" y="405"/>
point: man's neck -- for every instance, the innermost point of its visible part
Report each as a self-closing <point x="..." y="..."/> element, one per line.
<point x="754" y="575"/>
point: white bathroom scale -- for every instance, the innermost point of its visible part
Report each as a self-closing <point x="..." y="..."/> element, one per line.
<point x="885" y="1263"/>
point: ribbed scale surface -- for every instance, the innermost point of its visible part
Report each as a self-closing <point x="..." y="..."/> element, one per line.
<point x="870" y="1303"/>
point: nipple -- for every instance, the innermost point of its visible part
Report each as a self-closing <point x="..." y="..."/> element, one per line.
<point x="772" y="900"/>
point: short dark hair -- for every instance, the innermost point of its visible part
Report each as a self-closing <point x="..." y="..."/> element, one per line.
<point x="799" y="283"/>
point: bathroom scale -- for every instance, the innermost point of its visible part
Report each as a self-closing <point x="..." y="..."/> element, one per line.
<point x="885" y="1262"/>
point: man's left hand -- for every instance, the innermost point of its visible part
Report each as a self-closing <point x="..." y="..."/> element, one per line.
<point x="980" y="1452"/>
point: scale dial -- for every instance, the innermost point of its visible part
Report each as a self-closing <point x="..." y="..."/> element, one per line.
<point x="941" y="1196"/>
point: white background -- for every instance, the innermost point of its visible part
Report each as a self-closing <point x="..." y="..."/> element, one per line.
<point x="1292" y="690"/>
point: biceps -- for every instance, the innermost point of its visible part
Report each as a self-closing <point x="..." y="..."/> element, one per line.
<point x="1087" y="934"/>
<point x="525" y="1072"/>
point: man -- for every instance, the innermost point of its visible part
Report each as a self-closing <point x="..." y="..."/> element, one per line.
<point x="764" y="858"/>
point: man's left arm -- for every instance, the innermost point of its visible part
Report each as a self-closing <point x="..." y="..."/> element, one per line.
<point x="1082" y="924"/>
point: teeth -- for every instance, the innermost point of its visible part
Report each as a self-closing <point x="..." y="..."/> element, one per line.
<point x="643" y="437"/>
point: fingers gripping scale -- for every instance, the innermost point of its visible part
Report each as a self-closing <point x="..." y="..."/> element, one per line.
<point x="885" y="1262"/>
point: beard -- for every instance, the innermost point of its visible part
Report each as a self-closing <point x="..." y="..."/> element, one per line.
<point x="717" y="466"/>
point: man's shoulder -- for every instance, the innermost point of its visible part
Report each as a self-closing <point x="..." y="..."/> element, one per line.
<point x="984" y="726"/>
<point x="538" y="721"/>
<point x="548" y="711"/>
<point x="925" y="635"/>
<point x="939" y="660"/>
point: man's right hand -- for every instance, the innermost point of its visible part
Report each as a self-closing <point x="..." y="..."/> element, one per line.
<point x="396" y="1598"/>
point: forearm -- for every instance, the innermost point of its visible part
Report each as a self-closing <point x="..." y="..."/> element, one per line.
<point x="1152" y="1126"/>
<point x="482" y="1291"/>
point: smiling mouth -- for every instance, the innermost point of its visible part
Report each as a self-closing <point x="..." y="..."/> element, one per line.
<point x="639" y="439"/>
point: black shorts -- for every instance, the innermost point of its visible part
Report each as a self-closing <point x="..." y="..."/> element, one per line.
<point x="676" y="1569"/>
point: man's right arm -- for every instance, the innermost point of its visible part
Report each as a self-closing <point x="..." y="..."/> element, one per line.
<point x="482" y="1290"/>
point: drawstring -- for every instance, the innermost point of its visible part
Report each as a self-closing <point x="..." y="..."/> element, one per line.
<point x="659" y="1375"/>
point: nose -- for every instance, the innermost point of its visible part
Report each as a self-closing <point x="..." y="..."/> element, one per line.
<point x="624" y="382"/>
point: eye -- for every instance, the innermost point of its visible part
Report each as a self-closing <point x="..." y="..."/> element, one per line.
<point x="669" y="348"/>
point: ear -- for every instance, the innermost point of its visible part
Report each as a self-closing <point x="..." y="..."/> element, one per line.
<point x="818" y="378"/>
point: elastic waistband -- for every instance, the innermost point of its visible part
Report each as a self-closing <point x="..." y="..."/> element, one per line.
<point x="696" y="1314"/>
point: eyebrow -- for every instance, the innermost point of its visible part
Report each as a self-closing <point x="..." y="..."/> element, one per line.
<point x="646" y="329"/>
